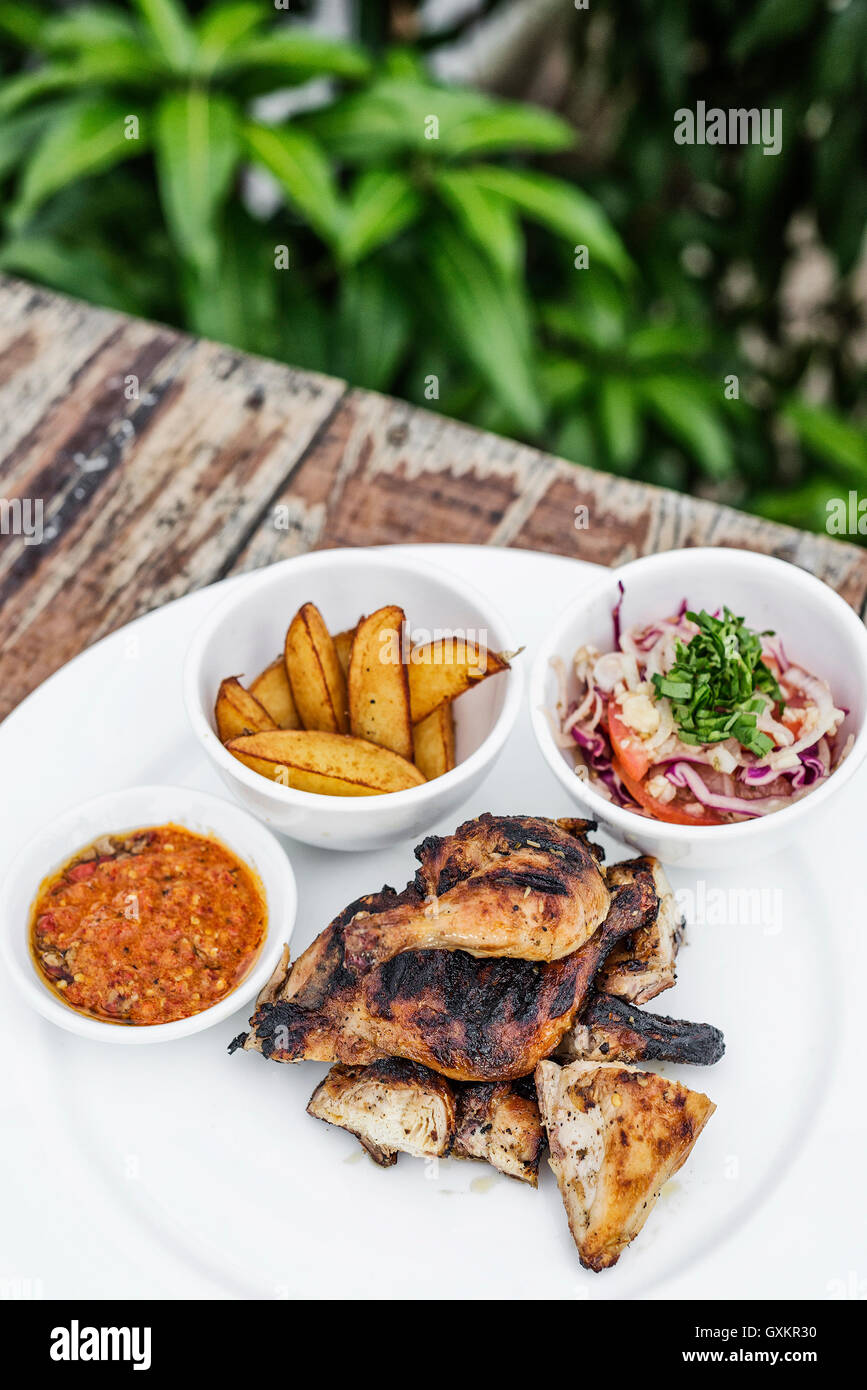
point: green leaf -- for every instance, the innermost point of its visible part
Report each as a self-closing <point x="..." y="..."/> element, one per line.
<point x="75" y="270"/>
<point x="771" y="23"/>
<point x="197" y="147"/>
<point x="221" y="27"/>
<point x="86" y="139"/>
<point x="303" y="172"/>
<point x="303" y="327"/>
<point x="169" y="23"/>
<point x="117" y="63"/>
<point x="682" y="408"/>
<point x="22" y="22"/>
<point x="565" y="210"/>
<point x="372" y="328"/>
<point x="396" y="114"/>
<point x="823" y="433"/>
<point x="806" y="506"/>
<point x="382" y="206"/>
<point x="485" y="216"/>
<point x="18" y="134"/>
<point x="237" y="303"/>
<point x="489" y="321"/>
<point x="562" y="380"/>
<point x="85" y="27"/>
<point x="656" y="342"/>
<point x="295" y="56"/>
<point x="576" y="441"/>
<point x="508" y="127"/>
<point x="594" y="317"/>
<point x="620" y="421"/>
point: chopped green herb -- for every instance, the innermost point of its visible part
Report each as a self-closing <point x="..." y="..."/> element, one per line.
<point x="717" y="681"/>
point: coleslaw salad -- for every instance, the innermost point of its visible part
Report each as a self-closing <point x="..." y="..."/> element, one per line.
<point x="695" y="719"/>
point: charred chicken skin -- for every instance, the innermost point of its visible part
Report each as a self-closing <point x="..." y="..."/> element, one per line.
<point x="468" y="1018"/>
<point x="610" y="1030"/>
<point x="515" y="886"/>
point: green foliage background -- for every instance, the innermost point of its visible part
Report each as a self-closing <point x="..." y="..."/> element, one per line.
<point x="410" y="257"/>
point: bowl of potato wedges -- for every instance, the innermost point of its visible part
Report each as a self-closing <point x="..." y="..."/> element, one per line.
<point x="351" y="698"/>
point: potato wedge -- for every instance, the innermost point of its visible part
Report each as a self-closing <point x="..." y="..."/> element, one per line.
<point x="238" y="712"/>
<point x="434" y="742"/>
<point x="272" y="689"/>
<point x="440" y="671"/>
<point x="315" y="673"/>
<point x="314" y="760"/>
<point x="378" y="685"/>
<point x="343" y="643"/>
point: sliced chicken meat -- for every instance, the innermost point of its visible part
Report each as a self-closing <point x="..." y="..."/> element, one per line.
<point x="391" y="1106"/>
<point x="500" y="1123"/>
<point x="616" y="1135"/>
<point x="642" y="965"/>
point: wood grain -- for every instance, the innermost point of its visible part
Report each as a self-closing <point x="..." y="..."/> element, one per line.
<point x="164" y="463"/>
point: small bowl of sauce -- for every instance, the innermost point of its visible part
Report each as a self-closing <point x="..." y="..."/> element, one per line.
<point x="148" y="926"/>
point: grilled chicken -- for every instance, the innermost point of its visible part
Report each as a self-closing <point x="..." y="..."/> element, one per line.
<point x="396" y="1107"/>
<point x="499" y="1122"/>
<point x="610" y="1030"/>
<point x="470" y="1019"/>
<point x="500" y="886"/>
<point x="390" y="1106"/>
<point x="616" y="1135"/>
<point x="642" y="966"/>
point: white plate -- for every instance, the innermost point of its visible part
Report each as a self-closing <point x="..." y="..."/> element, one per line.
<point x="181" y="1172"/>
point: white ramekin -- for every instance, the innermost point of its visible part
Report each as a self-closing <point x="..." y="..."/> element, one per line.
<point x="128" y="810"/>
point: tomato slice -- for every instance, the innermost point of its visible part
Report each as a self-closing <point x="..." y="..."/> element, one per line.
<point x="628" y="747"/>
<point x="794" y="719"/>
<point x="667" y="811"/>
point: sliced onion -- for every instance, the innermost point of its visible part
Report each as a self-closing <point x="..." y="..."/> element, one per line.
<point x="684" y="775"/>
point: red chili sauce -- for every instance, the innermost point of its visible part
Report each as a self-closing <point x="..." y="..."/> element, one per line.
<point x="149" y="926"/>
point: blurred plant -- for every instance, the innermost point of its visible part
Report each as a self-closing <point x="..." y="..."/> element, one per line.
<point x="393" y="231"/>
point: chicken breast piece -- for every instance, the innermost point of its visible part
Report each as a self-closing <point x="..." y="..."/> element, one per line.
<point x="616" y="1135"/>
<point x="500" y="1124"/>
<point x="642" y="965"/>
<point x="392" y="1106"/>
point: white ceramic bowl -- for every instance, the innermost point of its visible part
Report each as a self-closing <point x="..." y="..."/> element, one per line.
<point x="818" y="629"/>
<point x="247" y="630"/>
<point x="127" y="810"/>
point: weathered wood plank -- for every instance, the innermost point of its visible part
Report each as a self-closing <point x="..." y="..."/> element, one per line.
<point x="218" y="462"/>
<point x="385" y="472"/>
<point x="144" y="498"/>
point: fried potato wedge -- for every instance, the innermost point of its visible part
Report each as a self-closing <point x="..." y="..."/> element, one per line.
<point x="378" y="685"/>
<point x="315" y="673"/>
<point x="272" y="689"/>
<point x="314" y="760"/>
<point x="343" y="644"/>
<point x="434" y="742"/>
<point x="238" y="712"/>
<point x="440" y="671"/>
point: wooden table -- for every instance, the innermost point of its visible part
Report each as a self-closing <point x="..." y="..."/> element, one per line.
<point x="164" y="462"/>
